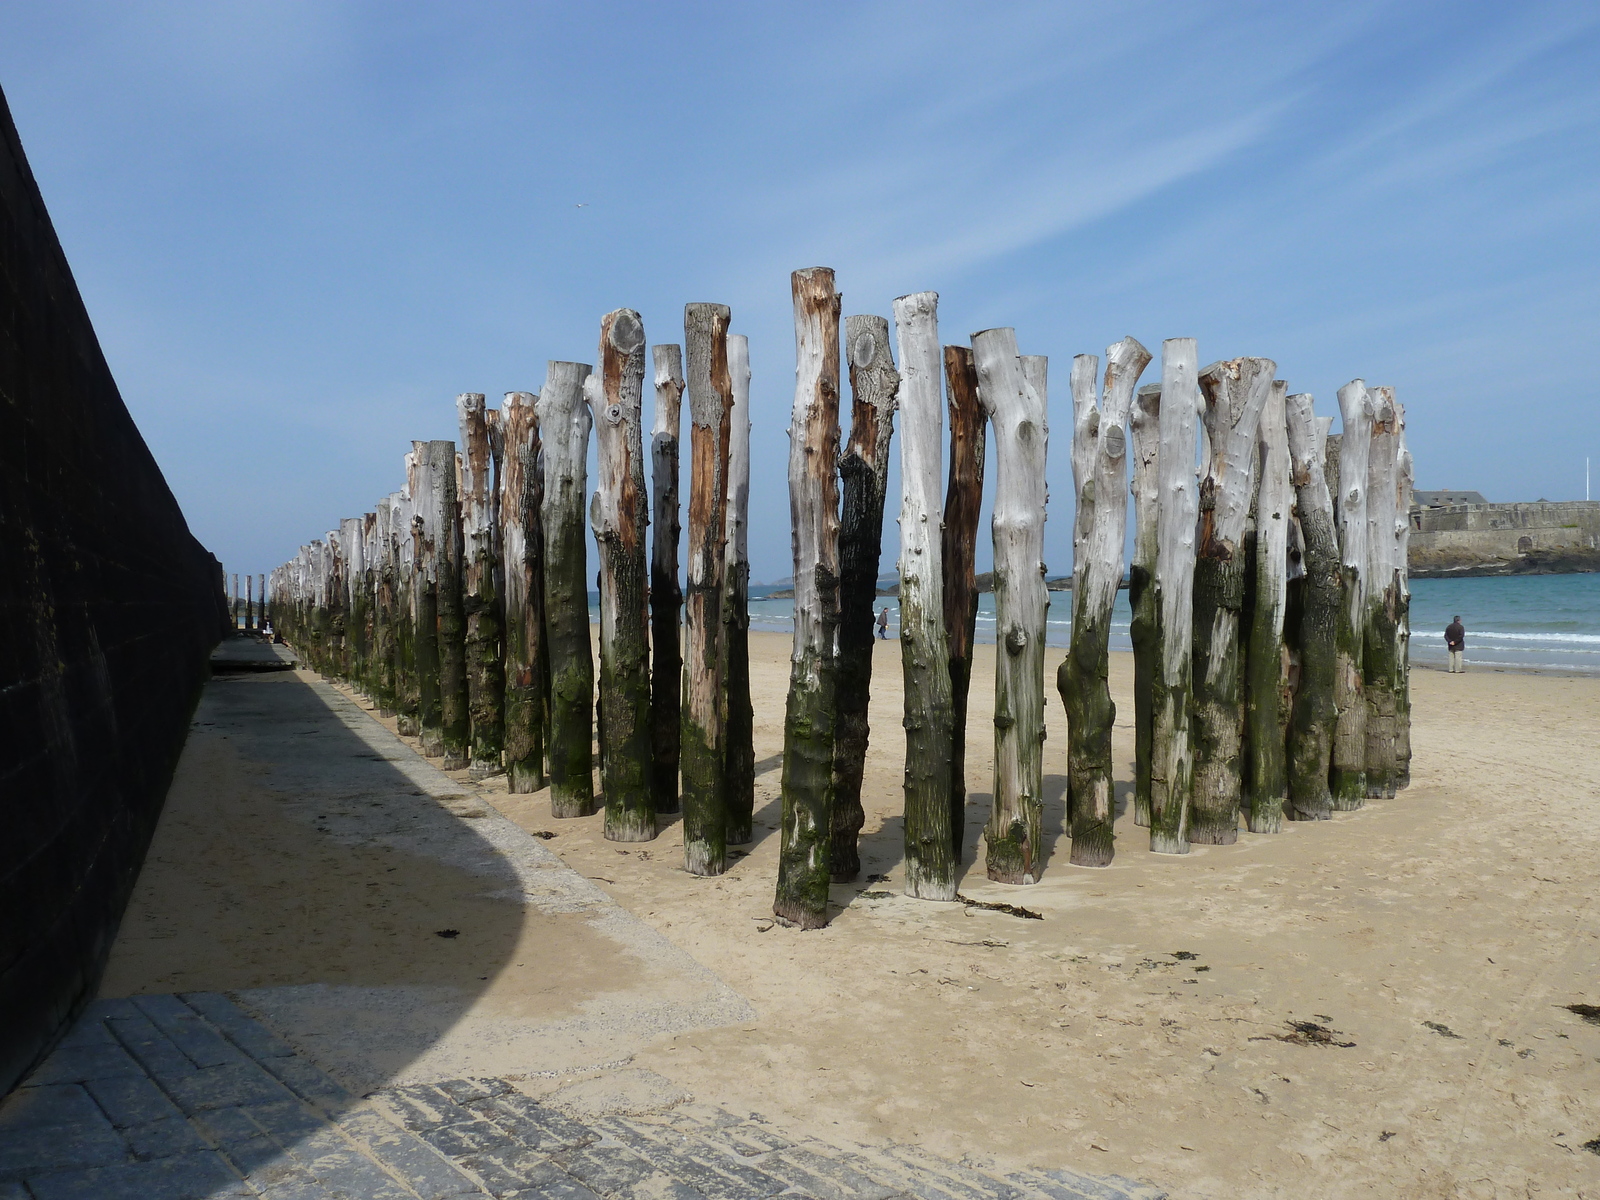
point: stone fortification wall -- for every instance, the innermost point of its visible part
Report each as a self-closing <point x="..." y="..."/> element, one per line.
<point x="1503" y="539"/>
<point x="108" y="609"/>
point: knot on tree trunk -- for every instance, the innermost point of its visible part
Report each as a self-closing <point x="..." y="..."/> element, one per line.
<point x="1016" y="640"/>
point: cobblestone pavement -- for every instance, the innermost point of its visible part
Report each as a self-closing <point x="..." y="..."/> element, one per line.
<point x="188" y="1097"/>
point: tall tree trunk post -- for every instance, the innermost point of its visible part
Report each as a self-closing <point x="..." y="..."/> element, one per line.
<point x="564" y="432"/>
<point x="963" y="499"/>
<point x="863" y="474"/>
<point x="1171" y="700"/>
<point x="455" y="720"/>
<point x="1402" y="655"/>
<point x="383" y="607"/>
<point x="666" y="595"/>
<point x="522" y="550"/>
<point x="930" y="845"/>
<point x="619" y="514"/>
<point x="1381" y="613"/>
<point x="425" y="534"/>
<point x="1234" y="394"/>
<point x="1099" y="464"/>
<point x="701" y="739"/>
<point x="350" y="559"/>
<point x="1311" y="721"/>
<point x="1348" y="776"/>
<point x="1146" y="488"/>
<point x="808" y="731"/>
<point x="481" y="602"/>
<point x="1267" y="660"/>
<point x="1016" y="407"/>
<point x="739" y="749"/>
<point x="407" y="710"/>
<point x="233" y="602"/>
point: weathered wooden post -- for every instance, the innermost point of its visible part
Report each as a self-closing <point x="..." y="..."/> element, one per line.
<point x="701" y="740"/>
<point x="233" y="601"/>
<point x="1312" y="718"/>
<point x="1016" y="407"/>
<point x="863" y="474"/>
<point x="426" y="526"/>
<point x="1171" y="700"/>
<point x="1099" y="466"/>
<point x="352" y="555"/>
<point x="564" y="432"/>
<point x="383" y="580"/>
<point x="808" y="732"/>
<point x="249" y="604"/>
<point x="1402" y="725"/>
<point x="963" y="499"/>
<point x="1348" y="778"/>
<point x="930" y="845"/>
<point x="407" y="710"/>
<point x="527" y="665"/>
<point x="739" y="750"/>
<point x="481" y="602"/>
<point x="1380" y="615"/>
<point x="1146" y="488"/>
<point x="1234" y="393"/>
<point x="455" y="723"/>
<point x="1267" y="662"/>
<point x="619" y="514"/>
<point x="666" y="595"/>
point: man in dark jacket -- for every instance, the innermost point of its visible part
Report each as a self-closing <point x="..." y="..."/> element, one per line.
<point x="1455" y="641"/>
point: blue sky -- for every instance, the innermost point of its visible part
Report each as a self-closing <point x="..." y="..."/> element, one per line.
<point x="301" y="229"/>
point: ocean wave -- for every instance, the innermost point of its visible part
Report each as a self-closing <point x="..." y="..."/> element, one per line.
<point x="1591" y="638"/>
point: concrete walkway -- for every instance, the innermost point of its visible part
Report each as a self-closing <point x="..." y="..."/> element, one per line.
<point x="342" y="975"/>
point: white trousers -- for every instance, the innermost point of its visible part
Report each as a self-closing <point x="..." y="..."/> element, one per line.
<point x="1458" y="665"/>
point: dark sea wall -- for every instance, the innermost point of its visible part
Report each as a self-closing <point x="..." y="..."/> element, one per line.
<point x="108" y="611"/>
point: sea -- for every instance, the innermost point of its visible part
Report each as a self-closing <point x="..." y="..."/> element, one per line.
<point x="1536" y="623"/>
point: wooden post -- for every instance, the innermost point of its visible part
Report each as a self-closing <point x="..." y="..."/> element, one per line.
<point x="963" y="500"/>
<point x="455" y="723"/>
<point x="666" y="596"/>
<point x="1312" y="719"/>
<point x="564" y="430"/>
<point x="1171" y="753"/>
<point x="1348" y="776"/>
<point x="352" y="542"/>
<point x="930" y="845"/>
<point x="1234" y="394"/>
<point x="620" y="517"/>
<point x="959" y="549"/>
<point x="739" y="750"/>
<point x="383" y="572"/>
<point x="863" y="475"/>
<point x="233" y="602"/>
<point x="407" y="711"/>
<point x="527" y="665"/>
<point x="1146" y="488"/>
<point x="481" y="602"/>
<point x="426" y="533"/>
<point x="1016" y="407"/>
<point x="1380" y="616"/>
<point x="808" y="732"/>
<point x="1099" y="464"/>
<point x="249" y="604"/>
<point x="1267" y="663"/>
<point x="1402" y="524"/>
<point x="701" y="741"/>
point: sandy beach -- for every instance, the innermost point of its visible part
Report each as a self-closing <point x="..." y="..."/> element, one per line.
<point x="1372" y="1006"/>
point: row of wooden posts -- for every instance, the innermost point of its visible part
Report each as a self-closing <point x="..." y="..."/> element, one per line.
<point x="1268" y="590"/>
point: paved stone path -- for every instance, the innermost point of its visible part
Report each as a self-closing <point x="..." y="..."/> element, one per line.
<point x="188" y="1097"/>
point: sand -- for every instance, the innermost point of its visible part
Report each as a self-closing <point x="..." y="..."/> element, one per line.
<point x="1146" y="1024"/>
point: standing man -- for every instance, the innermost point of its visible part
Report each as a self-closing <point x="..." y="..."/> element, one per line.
<point x="883" y="624"/>
<point x="1455" y="641"/>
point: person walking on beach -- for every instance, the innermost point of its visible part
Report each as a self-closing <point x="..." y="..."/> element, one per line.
<point x="1455" y="641"/>
<point x="883" y="624"/>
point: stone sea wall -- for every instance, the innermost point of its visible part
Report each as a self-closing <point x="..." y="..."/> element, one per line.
<point x="108" y="610"/>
